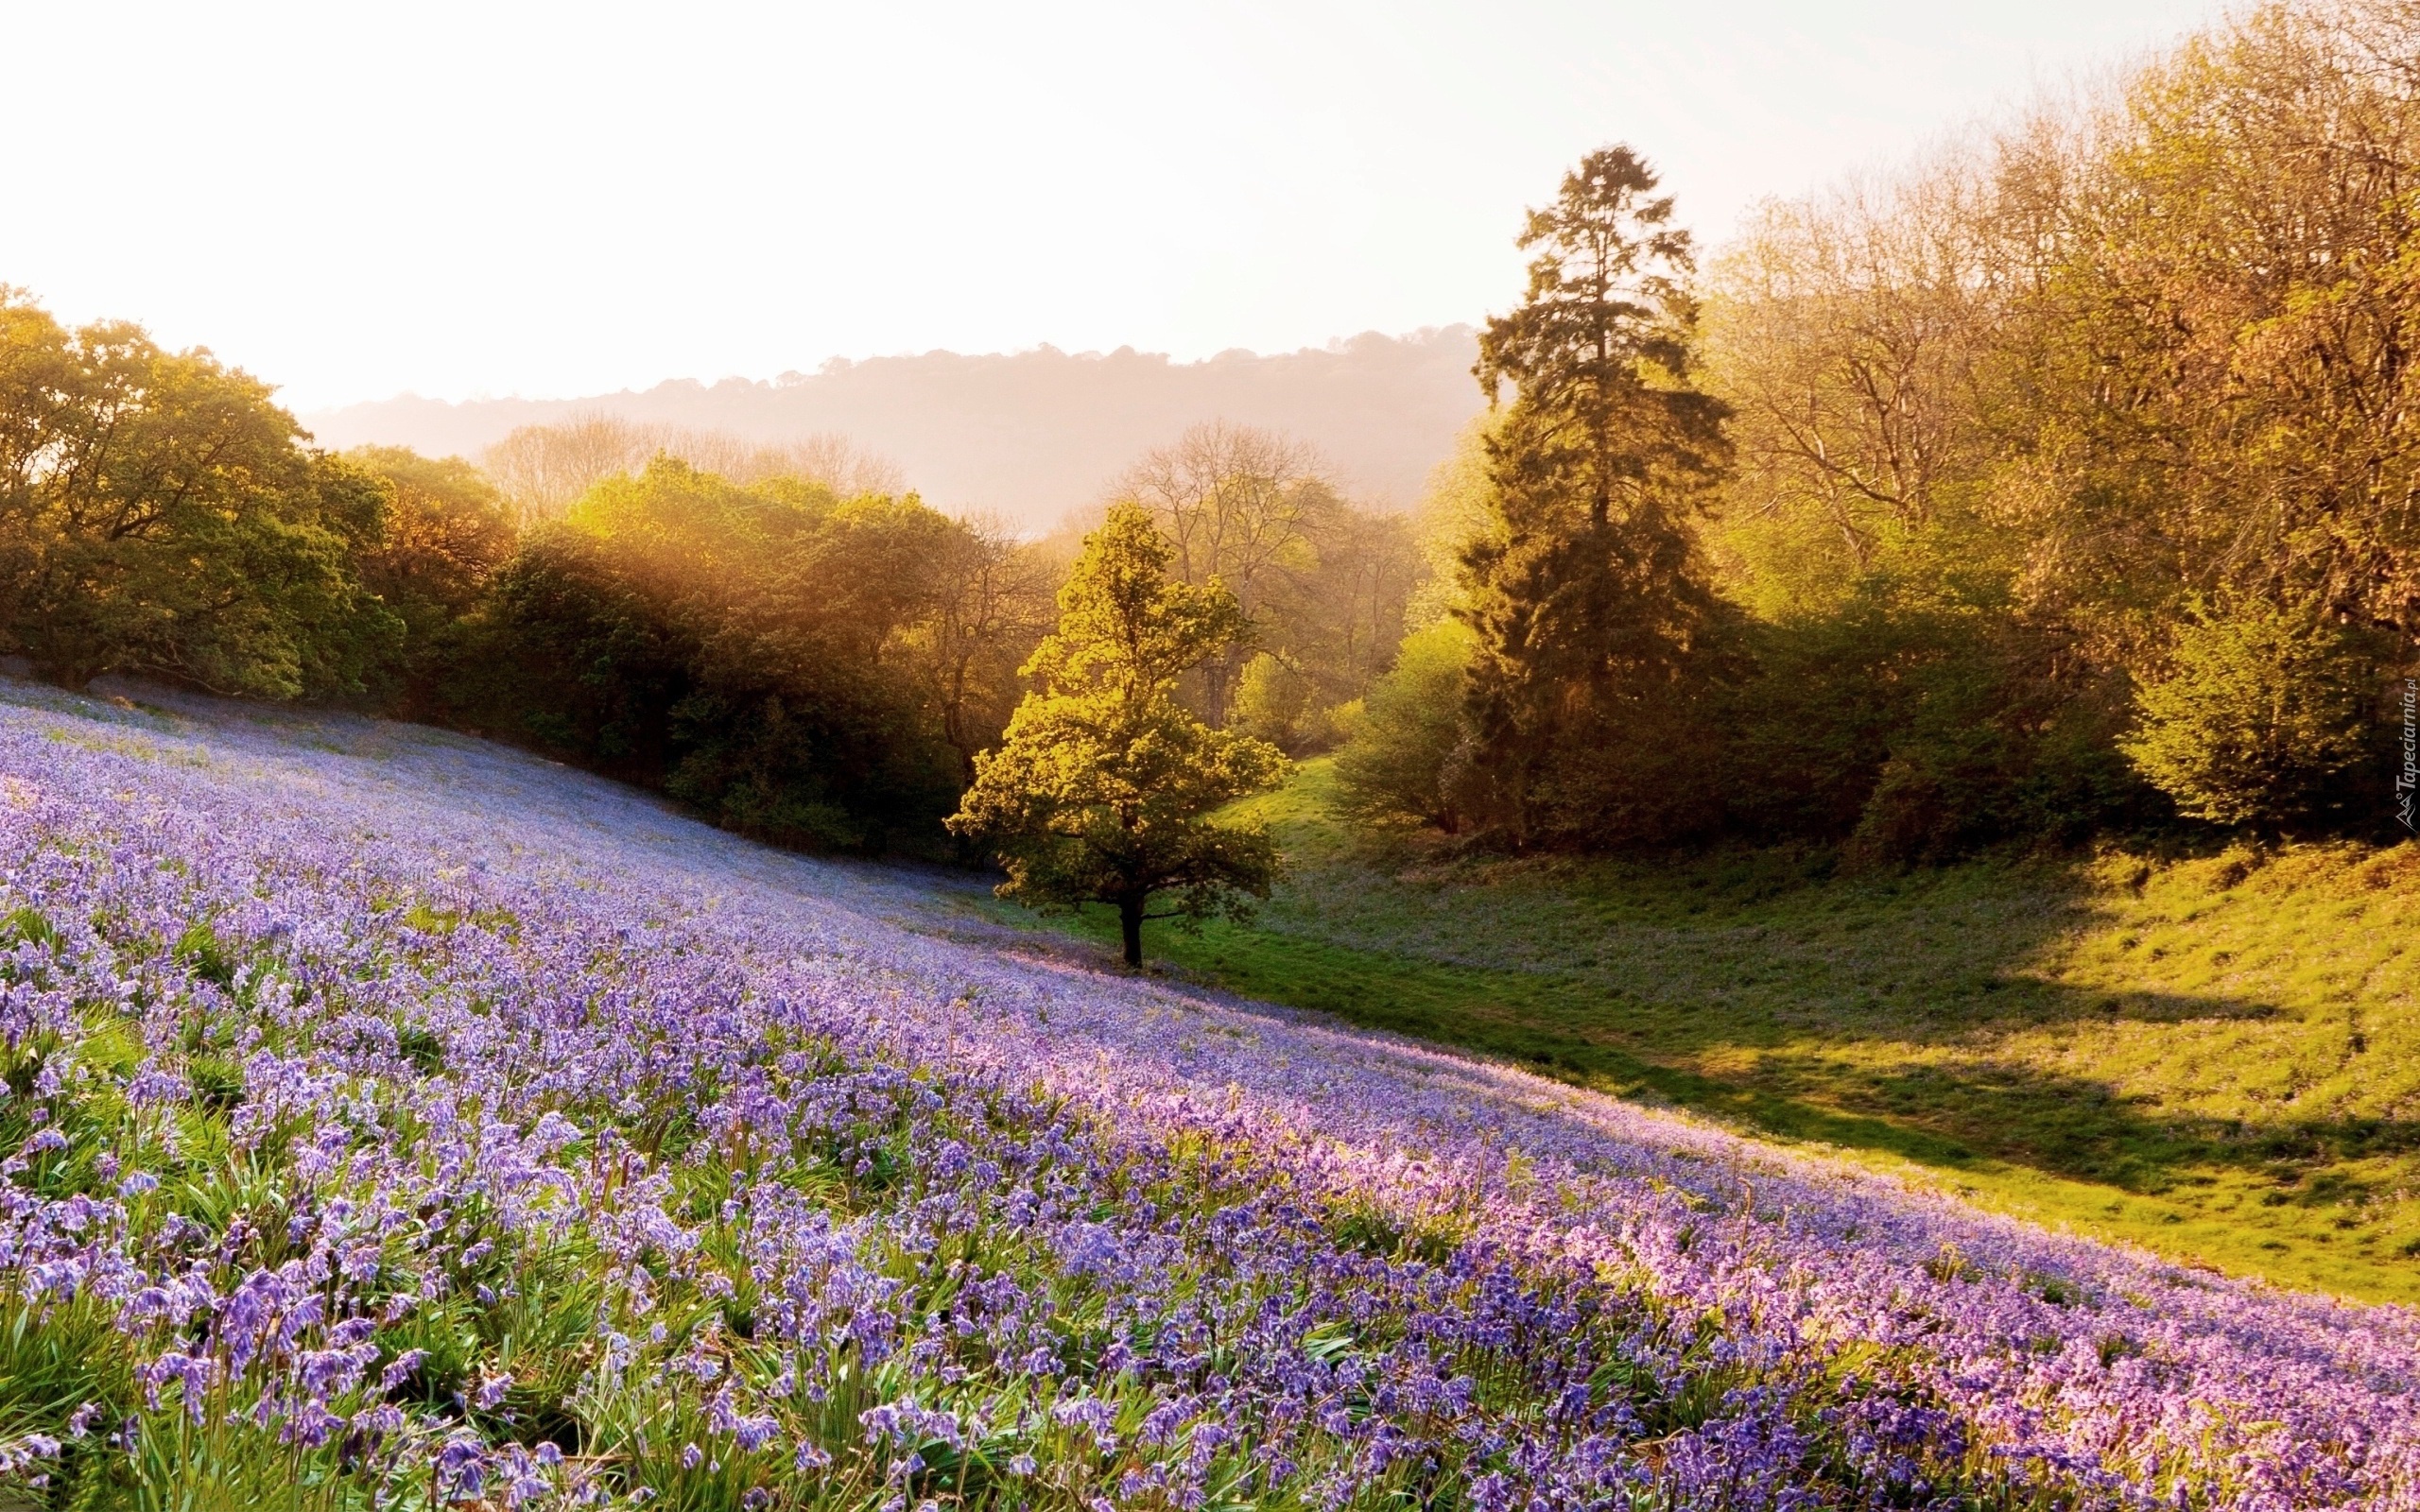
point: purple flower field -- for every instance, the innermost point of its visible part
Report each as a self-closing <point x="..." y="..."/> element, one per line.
<point x="393" y="1121"/>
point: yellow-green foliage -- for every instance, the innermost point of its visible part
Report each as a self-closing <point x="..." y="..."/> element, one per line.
<point x="161" y="515"/>
<point x="2263" y="718"/>
<point x="1099" y="792"/>
<point x="1393" y="766"/>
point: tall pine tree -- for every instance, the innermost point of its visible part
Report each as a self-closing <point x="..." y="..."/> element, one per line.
<point x="1592" y="609"/>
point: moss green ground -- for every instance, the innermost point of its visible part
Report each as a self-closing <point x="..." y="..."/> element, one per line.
<point x="2216" y="1057"/>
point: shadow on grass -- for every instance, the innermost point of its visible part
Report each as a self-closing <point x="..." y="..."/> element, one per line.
<point x="1945" y="1116"/>
<point x="1989" y="1020"/>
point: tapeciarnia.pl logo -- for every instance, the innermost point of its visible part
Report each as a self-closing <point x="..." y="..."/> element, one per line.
<point x="2408" y="780"/>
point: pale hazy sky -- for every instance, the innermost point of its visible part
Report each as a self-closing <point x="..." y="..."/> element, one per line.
<point x="356" y="199"/>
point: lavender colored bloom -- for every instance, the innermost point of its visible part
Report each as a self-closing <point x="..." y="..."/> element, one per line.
<point x="500" y="1045"/>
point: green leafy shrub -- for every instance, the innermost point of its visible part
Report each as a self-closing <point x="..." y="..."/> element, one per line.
<point x="1274" y="703"/>
<point x="1395" y="760"/>
<point x="1918" y="722"/>
<point x="2262" y="713"/>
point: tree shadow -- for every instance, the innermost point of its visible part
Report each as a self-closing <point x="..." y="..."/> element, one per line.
<point x="1950" y="1116"/>
<point x="2080" y="1127"/>
<point x="1915" y="1016"/>
<point x="1810" y="1042"/>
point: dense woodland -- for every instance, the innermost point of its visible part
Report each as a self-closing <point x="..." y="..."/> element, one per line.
<point x="2059" y="483"/>
<point x="2062" y="481"/>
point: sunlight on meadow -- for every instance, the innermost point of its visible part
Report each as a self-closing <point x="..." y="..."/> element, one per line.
<point x="1755" y="855"/>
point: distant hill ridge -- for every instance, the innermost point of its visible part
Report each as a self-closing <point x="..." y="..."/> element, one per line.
<point x="1028" y="434"/>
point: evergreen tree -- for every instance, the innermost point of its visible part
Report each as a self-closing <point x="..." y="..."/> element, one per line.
<point x="1585" y="590"/>
<point x="1100" y="792"/>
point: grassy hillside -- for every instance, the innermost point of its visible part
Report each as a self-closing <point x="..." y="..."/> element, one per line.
<point x="395" y="1121"/>
<point x="2216" y="1057"/>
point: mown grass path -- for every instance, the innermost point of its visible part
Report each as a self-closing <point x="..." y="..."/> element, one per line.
<point x="2217" y="1057"/>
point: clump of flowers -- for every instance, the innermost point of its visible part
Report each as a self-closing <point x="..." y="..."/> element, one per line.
<point x="395" y="1122"/>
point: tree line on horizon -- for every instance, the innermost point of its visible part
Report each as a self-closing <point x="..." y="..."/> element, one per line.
<point x="2059" y="485"/>
<point x="780" y="636"/>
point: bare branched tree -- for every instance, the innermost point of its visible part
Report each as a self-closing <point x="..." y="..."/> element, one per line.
<point x="2153" y="342"/>
<point x="1240" y="505"/>
<point x="1845" y="334"/>
<point x="991" y="606"/>
<point x="544" y="468"/>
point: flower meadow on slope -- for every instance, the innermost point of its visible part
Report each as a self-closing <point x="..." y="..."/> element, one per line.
<point x="392" y="1120"/>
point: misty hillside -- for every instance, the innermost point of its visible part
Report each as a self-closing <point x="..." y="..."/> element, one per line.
<point x="1033" y="434"/>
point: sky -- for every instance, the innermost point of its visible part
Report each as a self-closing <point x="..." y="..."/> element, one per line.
<point x="355" y="200"/>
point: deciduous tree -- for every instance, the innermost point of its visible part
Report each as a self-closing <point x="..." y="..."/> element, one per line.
<point x="1241" y="505"/>
<point x="990" y="604"/>
<point x="545" y="469"/>
<point x="1104" y="789"/>
<point x="159" y="514"/>
<point x="1324" y="584"/>
<point x="741" y="647"/>
<point x="445" y="532"/>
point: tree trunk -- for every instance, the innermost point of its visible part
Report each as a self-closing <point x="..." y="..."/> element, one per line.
<point x="1129" y="925"/>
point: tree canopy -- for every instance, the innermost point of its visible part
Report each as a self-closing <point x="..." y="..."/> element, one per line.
<point x="764" y="652"/>
<point x="1103" y="789"/>
<point x="159" y="514"/>
<point x="1585" y="587"/>
<point x="2060" y="483"/>
<point x="2060" y="383"/>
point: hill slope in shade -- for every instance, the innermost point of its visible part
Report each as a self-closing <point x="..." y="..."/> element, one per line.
<point x="1032" y="434"/>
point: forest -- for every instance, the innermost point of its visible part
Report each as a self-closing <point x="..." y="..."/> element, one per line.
<point x="2058" y="483"/>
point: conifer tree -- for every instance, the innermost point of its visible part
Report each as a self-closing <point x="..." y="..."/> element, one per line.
<point x="1101" y="789"/>
<point x="1586" y="589"/>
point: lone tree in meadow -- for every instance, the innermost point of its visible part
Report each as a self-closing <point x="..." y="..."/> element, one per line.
<point x="1101" y="789"/>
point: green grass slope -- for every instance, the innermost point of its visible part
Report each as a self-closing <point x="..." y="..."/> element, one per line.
<point x="2218" y="1059"/>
